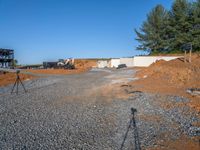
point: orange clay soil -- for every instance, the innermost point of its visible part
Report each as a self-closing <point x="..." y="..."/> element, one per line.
<point x="81" y="66"/>
<point x="171" y="78"/>
<point x="9" y="78"/>
<point x="183" y="143"/>
<point x="85" y="63"/>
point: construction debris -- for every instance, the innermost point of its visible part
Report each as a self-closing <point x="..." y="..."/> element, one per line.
<point x="194" y="91"/>
<point x="61" y="63"/>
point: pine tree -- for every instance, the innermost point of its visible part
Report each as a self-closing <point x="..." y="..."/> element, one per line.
<point x="151" y="35"/>
<point x="180" y="25"/>
<point x="171" y="31"/>
<point x="196" y="26"/>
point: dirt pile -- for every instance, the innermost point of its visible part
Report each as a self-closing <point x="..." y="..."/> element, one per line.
<point x="175" y="71"/>
<point x="81" y="65"/>
<point x="8" y="78"/>
<point x="85" y="63"/>
<point x="171" y="77"/>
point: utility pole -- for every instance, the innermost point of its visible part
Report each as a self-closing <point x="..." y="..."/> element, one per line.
<point x="185" y="57"/>
<point x="190" y="58"/>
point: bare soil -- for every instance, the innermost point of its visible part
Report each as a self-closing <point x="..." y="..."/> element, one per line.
<point x="8" y="78"/>
<point x="92" y="111"/>
<point x="81" y="65"/>
<point x="85" y="63"/>
<point x="171" y="78"/>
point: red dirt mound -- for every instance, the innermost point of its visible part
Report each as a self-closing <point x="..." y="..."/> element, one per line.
<point x="171" y="77"/>
<point x="85" y="63"/>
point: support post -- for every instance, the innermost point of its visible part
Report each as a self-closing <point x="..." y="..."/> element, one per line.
<point x="185" y="57"/>
<point x="190" y="59"/>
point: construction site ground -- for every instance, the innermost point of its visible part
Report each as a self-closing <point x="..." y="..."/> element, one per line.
<point x="92" y="110"/>
<point x="7" y="78"/>
<point x="173" y="77"/>
<point x="81" y="66"/>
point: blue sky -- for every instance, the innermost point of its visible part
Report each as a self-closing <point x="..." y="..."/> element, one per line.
<point x="46" y="30"/>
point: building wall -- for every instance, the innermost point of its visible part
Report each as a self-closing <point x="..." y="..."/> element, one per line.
<point x="115" y="62"/>
<point x="137" y="61"/>
<point x="103" y="63"/>
<point x="145" y="61"/>
<point x="128" y="61"/>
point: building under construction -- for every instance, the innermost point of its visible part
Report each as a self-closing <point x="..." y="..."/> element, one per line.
<point x="6" y="58"/>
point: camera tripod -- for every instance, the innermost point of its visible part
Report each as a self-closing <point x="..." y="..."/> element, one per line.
<point x="17" y="82"/>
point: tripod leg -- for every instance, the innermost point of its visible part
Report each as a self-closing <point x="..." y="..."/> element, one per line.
<point x="17" y="85"/>
<point x="22" y="85"/>
<point x="14" y="86"/>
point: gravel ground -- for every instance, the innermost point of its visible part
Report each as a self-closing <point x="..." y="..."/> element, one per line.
<point x="61" y="112"/>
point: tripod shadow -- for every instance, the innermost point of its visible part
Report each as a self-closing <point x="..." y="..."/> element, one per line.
<point x="132" y="123"/>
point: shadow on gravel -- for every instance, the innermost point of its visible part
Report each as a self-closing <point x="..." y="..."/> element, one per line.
<point x="135" y="130"/>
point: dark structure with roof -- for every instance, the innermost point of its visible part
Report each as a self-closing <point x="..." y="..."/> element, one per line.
<point x="6" y="58"/>
<point x="47" y="65"/>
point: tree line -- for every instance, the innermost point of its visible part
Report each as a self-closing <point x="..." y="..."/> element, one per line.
<point x="171" y="31"/>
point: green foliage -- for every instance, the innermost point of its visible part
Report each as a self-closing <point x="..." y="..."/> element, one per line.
<point x="180" y="24"/>
<point x="196" y="25"/>
<point x="15" y="62"/>
<point x="151" y="36"/>
<point x="167" y="31"/>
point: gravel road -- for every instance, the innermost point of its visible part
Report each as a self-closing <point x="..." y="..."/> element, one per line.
<point x="76" y="112"/>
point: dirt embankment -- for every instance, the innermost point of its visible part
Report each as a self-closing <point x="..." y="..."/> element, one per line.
<point x="81" y="66"/>
<point x="85" y="63"/>
<point x="8" y="78"/>
<point x="171" y="77"/>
